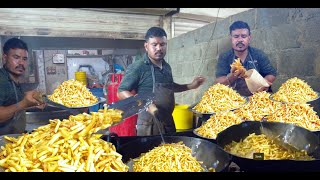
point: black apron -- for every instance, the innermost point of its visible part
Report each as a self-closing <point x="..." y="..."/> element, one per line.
<point x="164" y="100"/>
<point x="17" y="124"/>
<point x="240" y="84"/>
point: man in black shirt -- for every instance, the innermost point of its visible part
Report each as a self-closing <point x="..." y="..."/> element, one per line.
<point x="13" y="101"/>
<point x="251" y="58"/>
<point x="153" y="74"/>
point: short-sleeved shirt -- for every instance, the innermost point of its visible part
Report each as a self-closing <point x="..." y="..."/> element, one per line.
<point x="7" y="94"/>
<point x="259" y="61"/>
<point x="138" y="76"/>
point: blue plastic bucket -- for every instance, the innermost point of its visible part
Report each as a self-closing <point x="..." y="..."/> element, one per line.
<point x="98" y="92"/>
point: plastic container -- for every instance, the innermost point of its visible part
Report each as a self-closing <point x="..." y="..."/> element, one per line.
<point x="128" y="126"/>
<point x="98" y="92"/>
<point x="183" y="118"/>
<point x="81" y="76"/>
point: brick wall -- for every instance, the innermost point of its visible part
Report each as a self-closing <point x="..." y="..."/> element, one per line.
<point x="289" y="36"/>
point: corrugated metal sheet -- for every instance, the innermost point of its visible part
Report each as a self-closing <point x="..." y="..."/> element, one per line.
<point x="64" y="22"/>
<point x="181" y="25"/>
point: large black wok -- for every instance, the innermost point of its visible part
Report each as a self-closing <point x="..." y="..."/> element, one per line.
<point x="211" y="154"/>
<point x="297" y="136"/>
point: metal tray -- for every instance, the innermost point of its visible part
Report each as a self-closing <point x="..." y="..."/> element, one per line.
<point x="77" y="107"/>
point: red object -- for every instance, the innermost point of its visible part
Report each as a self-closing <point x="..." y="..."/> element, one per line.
<point x="128" y="126"/>
<point x="113" y="88"/>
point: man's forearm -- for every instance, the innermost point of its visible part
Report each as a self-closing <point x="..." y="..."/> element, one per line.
<point x="226" y="80"/>
<point x="180" y="87"/>
<point x="7" y="112"/>
<point x="270" y="78"/>
<point x="124" y="94"/>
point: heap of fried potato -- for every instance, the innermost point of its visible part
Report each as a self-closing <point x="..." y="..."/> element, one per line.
<point x="258" y="107"/>
<point x="298" y="114"/>
<point x="295" y="90"/>
<point x="262" y="144"/>
<point x="72" y="93"/>
<point x="170" y="157"/>
<point x="67" y="145"/>
<point x="217" y="123"/>
<point x="219" y="97"/>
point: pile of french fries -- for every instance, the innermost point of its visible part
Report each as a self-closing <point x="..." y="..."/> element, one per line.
<point x="72" y="93"/>
<point x="219" y="97"/>
<point x="170" y="157"/>
<point x="67" y="145"/>
<point x="295" y="90"/>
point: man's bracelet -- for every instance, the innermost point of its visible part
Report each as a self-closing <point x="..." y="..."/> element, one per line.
<point x="228" y="79"/>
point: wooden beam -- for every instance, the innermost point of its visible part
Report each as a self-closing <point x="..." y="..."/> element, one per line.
<point x="166" y="24"/>
<point x="149" y="11"/>
<point x="70" y="22"/>
<point x="203" y="18"/>
<point x="65" y="33"/>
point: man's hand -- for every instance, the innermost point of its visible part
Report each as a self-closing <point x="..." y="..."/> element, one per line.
<point x="152" y="109"/>
<point x="263" y="88"/>
<point x="240" y="73"/>
<point x="29" y="99"/>
<point x="197" y="81"/>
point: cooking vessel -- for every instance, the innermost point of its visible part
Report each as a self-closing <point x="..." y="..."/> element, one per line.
<point x="203" y="150"/>
<point x="295" y="135"/>
<point x="42" y="116"/>
<point x="38" y="117"/>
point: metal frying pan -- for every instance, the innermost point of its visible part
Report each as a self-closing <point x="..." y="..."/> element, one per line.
<point x="203" y="150"/>
<point x="73" y="110"/>
<point x="297" y="136"/>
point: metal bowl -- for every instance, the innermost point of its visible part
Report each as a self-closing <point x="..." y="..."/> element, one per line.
<point x="297" y="136"/>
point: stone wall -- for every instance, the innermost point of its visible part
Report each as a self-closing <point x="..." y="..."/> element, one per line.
<point x="289" y="36"/>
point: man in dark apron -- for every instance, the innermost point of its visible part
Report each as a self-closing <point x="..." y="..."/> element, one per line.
<point x="153" y="74"/>
<point x="13" y="101"/>
<point x="251" y="58"/>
